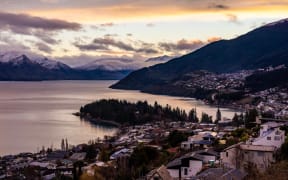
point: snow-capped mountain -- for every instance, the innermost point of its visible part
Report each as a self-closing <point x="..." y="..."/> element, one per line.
<point x="50" y="64"/>
<point x="18" y="66"/>
<point x="17" y="58"/>
<point x="111" y="64"/>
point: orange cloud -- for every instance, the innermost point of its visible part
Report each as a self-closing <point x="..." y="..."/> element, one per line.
<point x="122" y="11"/>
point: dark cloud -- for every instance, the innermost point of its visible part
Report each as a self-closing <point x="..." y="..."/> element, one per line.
<point x="218" y="6"/>
<point x="129" y="34"/>
<point x="181" y="45"/>
<point x="91" y="47"/>
<point x="41" y="28"/>
<point x="43" y="47"/>
<point x="107" y="43"/>
<point x="111" y="42"/>
<point x="46" y="37"/>
<point x="23" y="23"/>
<point x="147" y="50"/>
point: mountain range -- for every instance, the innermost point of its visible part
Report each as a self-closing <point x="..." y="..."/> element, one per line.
<point x="15" y="66"/>
<point x="262" y="47"/>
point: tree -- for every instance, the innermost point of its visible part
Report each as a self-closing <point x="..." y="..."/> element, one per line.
<point x="66" y="145"/>
<point x="62" y="144"/>
<point x="236" y="120"/>
<point x="104" y="155"/>
<point x="192" y="116"/>
<point x="250" y="118"/>
<point x="206" y="118"/>
<point x="218" y="115"/>
<point x="176" y="137"/>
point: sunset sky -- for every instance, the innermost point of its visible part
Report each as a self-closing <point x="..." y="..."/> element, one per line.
<point x="78" y="31"/>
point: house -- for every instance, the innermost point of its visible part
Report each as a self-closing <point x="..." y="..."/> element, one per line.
<point x="208" y="155"/>
<point x="186" y="166"/>
<point x="259" y="151"/>
<point x="270" y="135"/>
<point x="240" y="155"/>
<point x="204" y="140"/>
<point x="59" y="154"/>
<point x="160" y="173"/>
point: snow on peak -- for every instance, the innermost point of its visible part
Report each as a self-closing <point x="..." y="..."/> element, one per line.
<point x="49" y="64"/>
<point x="277" y="23"/>
<point x="110" y="64"/>
<point x="18" y="57"/>
<point x="162" y="59"/>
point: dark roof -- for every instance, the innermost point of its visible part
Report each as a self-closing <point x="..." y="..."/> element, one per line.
<point x="203" y="142"/>
<point x="207" y="152"/>
<point x="208" y="136"/>
<point x="176" y="163"/>
<point x="210" y="174"/>
<point x="183" y="161"/>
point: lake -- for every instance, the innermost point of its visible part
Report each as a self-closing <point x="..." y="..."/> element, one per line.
<point x="36" y="114"/>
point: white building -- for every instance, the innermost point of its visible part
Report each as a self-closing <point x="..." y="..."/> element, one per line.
<point x="190" y="164"/>
<point x="186" y="166"/>
<point x="259" y="152"/>
<point x="270" y="135"/>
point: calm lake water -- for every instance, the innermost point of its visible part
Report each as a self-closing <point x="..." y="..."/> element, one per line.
<point x="36" y="114"/>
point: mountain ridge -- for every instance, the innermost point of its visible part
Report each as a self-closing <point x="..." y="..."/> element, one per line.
<point x="16" y="66"/>
<point x="262" y="47"/>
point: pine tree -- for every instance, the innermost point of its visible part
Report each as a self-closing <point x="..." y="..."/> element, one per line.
<point x="218" y="116"/>
<point x="66" y="144"/>
<point x="192" y="116"/>
<point x="206" y="118"/>
<point x="62" y="145"/>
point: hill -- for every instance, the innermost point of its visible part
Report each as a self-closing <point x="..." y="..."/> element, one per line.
<point x="262" y="47"/>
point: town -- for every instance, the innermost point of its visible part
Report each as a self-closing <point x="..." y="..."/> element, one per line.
<point x="230" y="89"/>
<point x="242" y="148"/>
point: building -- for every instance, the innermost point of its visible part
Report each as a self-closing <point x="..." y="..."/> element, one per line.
<point x="270" y="135"/>
<point x="198" y="141"/>
<point x="186" y="166"/>
<point x="258" y="152"/>
<point x="239" y="156"/>
<point x="190" y="164"/>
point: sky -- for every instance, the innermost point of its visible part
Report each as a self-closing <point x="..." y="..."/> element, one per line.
<point x="80" y="31"/>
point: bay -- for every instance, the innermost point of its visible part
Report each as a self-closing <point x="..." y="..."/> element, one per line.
<point x="36" y="114"/>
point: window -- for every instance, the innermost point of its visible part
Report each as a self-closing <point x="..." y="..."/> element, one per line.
<point x="277" y="138"/>
<point x="185" y="171"/>
<point x="227" y="154"/>
<point x="269" y="138"/>
<point x="260" y="153"/>
<point x="277" y="132"/>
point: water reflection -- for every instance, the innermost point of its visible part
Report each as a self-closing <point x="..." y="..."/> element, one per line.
<point x="33" y="114"/>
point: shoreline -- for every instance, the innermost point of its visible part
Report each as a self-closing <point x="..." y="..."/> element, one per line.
<point x="227" y="106"/>
<point x="97" y="121"/>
